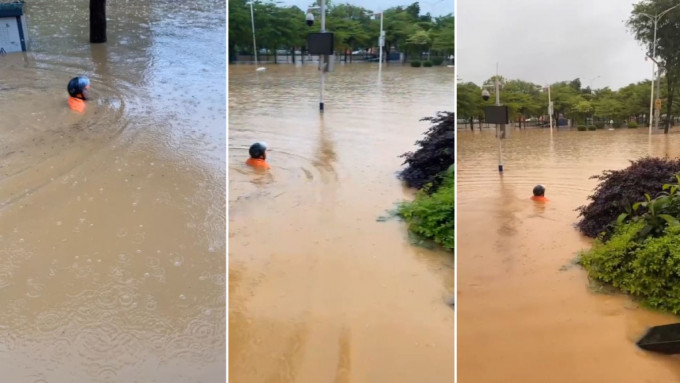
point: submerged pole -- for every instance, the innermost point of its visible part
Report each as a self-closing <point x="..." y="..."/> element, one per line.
<point x="97" y="21"/>
<point x="501" y="130"/>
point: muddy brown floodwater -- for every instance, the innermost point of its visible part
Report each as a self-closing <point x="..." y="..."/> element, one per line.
<point x="112" y="223"/>
<point x="525" y="312"/>
<point x="319" y="290"/>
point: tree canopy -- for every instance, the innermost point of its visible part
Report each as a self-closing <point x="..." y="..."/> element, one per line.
<point x="278" y="27"/>
<point x="529" y="100"/>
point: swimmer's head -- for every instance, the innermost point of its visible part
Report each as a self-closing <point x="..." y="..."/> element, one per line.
<point x="79" y="87"/>
<point x="539" y="191"/>
<point x="258" y="150"/>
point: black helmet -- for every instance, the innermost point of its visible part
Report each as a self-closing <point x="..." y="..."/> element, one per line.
<point x="257" y="149"/>
<point x="77" y="85"/>
<point x="539" y="190"/>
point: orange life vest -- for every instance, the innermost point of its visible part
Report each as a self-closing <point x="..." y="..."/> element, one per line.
<point x="257" y="163"/>
<point x="76" y="104"/>
<point x="539" y="198"/>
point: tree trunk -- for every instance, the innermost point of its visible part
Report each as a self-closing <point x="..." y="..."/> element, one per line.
<point x="472" y="124"/>
<point x="292" y="52"/>
<point x="97" y="21"/>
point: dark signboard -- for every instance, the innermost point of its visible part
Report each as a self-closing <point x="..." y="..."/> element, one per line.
<point x="496" y="114"/>
<point x="320" y="43"/>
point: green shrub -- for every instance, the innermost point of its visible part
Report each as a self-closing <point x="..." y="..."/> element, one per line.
<point x="591" y="127"/>
<point x="648" y="269"/>
<point x="415" y="64"/>
<point x="427" y="64"/>
<point x="617" y="124"/>
<point x="438" y="61"/>
<point x="632" y="125"/>
<point x="599" y="125"/>
<point x="431" y="215"/>
<point x="581" y="128"/>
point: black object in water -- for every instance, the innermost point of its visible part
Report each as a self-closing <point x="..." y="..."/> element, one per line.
<point x="663" y="339"/>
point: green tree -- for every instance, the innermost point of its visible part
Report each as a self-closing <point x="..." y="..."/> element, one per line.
<point x="469" y="101"/>
<point x="667" y="42"/>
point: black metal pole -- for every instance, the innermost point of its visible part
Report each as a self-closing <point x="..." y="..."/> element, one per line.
<point x="97" y="21"/>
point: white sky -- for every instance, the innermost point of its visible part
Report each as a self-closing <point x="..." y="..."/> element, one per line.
<point x="435" y="7"/>
<point x="548" y="41"/>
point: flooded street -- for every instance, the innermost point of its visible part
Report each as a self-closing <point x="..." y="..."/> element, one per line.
<point x="526" y="313"/>
<point x="112" y="223"/>
<point x="320" y="289"/>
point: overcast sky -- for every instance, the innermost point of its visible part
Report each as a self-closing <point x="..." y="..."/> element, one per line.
<point x="434" y="7"/>
<point x="548" y="41"/>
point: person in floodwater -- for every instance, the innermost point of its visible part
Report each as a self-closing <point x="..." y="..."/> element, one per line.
<point x="539" y="194"/>
<point x="258" y="156"/>
<point x="78" y="90"/>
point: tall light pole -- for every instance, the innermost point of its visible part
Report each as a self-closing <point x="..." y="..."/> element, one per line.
<point x="252" y="22"/>
<point x="655" y="19"/>
<point x="500" y="130"/>
<point x="381" y="42"/>
<point x="322" y="61"/>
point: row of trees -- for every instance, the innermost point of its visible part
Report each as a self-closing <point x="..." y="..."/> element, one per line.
<point x="279" y="27"/>
<point x="570" y="100"/>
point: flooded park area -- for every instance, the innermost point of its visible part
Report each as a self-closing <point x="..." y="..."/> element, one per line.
<point x="325" y="286"/>
<point x="112" y="222"/>
<point x="526" y="312"/>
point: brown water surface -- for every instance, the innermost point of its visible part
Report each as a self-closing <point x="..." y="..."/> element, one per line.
<point x="319" y="290"/>
<point x="526" y="313"/>
<point x="112" y="225"/>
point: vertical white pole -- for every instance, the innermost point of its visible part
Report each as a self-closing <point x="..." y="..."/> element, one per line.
<point x="381" y="40"/>
<point x="651" y="97"/>
<point x="252" y="20"/>
<point x="501" y="129"/>
<point x="550" y="109"/>
<point x="321" y="57"/>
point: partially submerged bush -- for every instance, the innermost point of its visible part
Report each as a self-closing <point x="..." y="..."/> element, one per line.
<point x="591" y="127"/>
<point x="618" y="190"/>
<point x="431" y="215"/>
<point x="427" y="64"/>
<point x="647" y="269"/>
<point x="438" y="60"/>
<point x="632" y="125"/>
<point x="599" y="125"/>
<point x="581" y="128"/>
<point x="617" y="124"/>
<point x="415" y="64"/>
<point x="435" y="155"/>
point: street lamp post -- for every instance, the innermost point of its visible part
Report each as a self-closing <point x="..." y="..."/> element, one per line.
<point x="381" y="43"/>
<point x="322" y="61"/>
<point x="655" y="19"/>
<point x="500" y="129"/>
<point x="252" y="22"/>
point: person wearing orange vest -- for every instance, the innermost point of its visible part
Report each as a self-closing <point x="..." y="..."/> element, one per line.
<point x="539" y="194"/>
<point x="258" y="156"/>
<point x="78" y="90"/>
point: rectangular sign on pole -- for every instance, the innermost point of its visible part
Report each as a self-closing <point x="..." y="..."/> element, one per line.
<point x="496" y="115"/>
<point x="320" y="43"/>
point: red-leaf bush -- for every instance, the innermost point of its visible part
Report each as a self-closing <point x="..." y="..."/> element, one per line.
<point x="436" y="154"/>
<point x="619" y="189"/>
